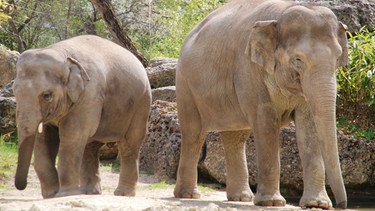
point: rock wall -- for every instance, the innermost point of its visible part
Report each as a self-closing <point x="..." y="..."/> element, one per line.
<point x="160" y="151"/>
<point x="160" y="154"/>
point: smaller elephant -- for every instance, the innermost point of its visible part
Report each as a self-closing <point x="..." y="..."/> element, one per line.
<point x="72" y="97"/>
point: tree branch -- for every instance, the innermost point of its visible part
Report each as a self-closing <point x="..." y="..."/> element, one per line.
<point x="117" y="30"/>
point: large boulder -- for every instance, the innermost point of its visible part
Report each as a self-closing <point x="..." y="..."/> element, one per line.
<point x="167" y="93"/>
<point x="7" y="110"/>
<point x="8" y="60"/>
<point x="160" y="151"/>
<point x="162" y="72"/>
<point x="7" y="115"/>
<point x="353" y="13"/>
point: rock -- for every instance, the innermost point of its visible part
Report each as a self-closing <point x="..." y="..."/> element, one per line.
<point x="160" y="151"/>
<point x="108" y="151"/>
<point x="8" y="60"/>
<point x="357" y="157"/>
<point x="7" y="91"/>
<point x="7" y="115"/>
<point x="162" y="72"/>
<point x="353" y="13"/>
<point x="167" y="93"/>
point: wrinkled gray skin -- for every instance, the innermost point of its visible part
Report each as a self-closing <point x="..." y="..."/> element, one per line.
<point x="252" y="66"/>
<point x="86" y="91"/>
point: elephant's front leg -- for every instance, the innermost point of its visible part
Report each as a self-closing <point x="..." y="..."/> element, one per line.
<point x="90" y="175"/>
<point x="72" y="146"/>
<point x="314" y="192"/>
<point x="266" y="132"/>
<point x="46" y="147"/>
<point x="235" y="157"/>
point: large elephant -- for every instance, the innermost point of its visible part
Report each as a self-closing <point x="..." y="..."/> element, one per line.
<point x="252" y="66"/>
<point x="72" y="97"/>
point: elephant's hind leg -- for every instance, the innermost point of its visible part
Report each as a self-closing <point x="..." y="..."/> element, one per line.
<point x="237" y="173"/>
<point x="90" y="176"/>
<point x="191" y="144"/>
<point x="129" y="152"/>
<point x="46" y="148"/>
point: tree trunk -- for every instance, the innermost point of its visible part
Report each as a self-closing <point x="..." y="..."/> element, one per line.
<point x="114" y="25"/>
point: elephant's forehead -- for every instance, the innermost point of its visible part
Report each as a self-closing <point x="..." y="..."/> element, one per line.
<point x="34" y="80"/>
<point x="41" y="71"/>
<point x="304" y="18"/>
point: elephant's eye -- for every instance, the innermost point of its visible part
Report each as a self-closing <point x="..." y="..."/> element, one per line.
<point x="47" y="96"/>
<point x="297" y="62"/>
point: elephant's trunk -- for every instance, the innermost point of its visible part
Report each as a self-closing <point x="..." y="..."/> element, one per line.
<point x="28" y="117"/>
<point x="25" y="150"/>
<point x="322" y="98"/>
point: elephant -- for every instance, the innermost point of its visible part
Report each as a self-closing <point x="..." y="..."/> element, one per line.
<point x="73" y="97"/>
<point x="252" y="66"/>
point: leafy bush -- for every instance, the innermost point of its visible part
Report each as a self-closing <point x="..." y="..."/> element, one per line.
<point x="8" y="159"/>
<point x="356" y="87"/>
<point x="178" y="18"/>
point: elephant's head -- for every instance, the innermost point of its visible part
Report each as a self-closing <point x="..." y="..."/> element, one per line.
<point x="301" y="50"/>
<point x="47" y="84"/>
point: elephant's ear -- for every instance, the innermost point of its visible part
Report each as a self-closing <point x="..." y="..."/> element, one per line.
<point x="343" y="59"/>
<point x="262" y="44"/>
<point x="77" y="75"/>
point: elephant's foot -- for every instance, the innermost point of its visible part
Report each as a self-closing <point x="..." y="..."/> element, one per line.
<point x="92" y="189"/>
<point x="245" y="195"/>
<point x="186" y="193"/>
<point x="342" y="205"/>
<point x="49" y="194"/>
<point x="68" y="193"/>
<point x="276" y="199"/>
<point x="320" y="201"/>
<point x="124" y="192"/>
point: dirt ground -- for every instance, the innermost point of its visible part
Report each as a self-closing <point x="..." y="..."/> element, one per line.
<point x="150" y="199"/>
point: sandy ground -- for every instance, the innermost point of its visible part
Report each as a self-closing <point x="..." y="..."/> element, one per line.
<point x="146" y="198"/>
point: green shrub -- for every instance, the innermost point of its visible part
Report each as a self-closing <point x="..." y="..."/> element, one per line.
<point x="179" y="17"/>
<point x="356" y="88"/>
<point x="8" y="159"/>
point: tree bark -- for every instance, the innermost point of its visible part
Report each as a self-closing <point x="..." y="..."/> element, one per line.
<point x="118" y="32"/>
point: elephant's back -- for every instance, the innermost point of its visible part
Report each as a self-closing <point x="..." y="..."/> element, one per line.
<point x="224" y="33"/>
<point x="115" y="73"/>
<point x="105" y="58"/>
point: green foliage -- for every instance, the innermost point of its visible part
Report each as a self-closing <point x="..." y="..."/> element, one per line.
<point x="168" y="185"/>
<point x="356" y="87"/>
<point x="113" y="165"/>
<point x="157" y="27"/>
<point x="8" y="159"/>
<point x="177" y="19"/>
<point x="354" y="130"/>
<point x="4" y="9"/>
<point x="159" y="185"/>
<point x="209" y="187"/>
<point x="38" y="23"/>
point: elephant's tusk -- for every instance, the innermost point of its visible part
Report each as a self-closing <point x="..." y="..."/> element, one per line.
<point x="40" y="127"/>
